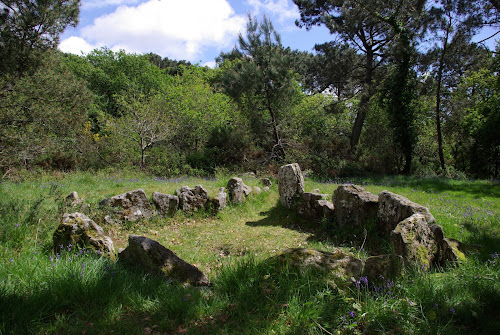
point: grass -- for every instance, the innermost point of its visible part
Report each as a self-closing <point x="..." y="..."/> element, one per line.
<point x="77" y="292"/>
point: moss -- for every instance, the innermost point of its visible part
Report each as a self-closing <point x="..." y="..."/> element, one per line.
<point x="422" y="256"/>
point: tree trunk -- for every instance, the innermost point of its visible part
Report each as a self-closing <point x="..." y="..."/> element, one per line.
<point x="438" y="99"/>
<point x="364" y="102"/>
<point x="274" y="122"/>
<point x="143" y="156"/>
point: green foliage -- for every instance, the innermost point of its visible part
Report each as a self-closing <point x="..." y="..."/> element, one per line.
<point x="262" y="83"/>
<point x="29" y="28"/>
<point x="42" y="117"/>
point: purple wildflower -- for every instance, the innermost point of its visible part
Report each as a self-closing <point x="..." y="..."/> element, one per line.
<point x="452" y="311"/>
<point x="352" y="314"/>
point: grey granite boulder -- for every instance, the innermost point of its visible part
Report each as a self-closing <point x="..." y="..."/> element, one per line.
<point x="166" y="203"/>
<point x="192" y="199"/>
<point x="219" y="202"/>
<point x="394" y="208"/>
<point x="154" y="258"/>
<point x="414" y="240"/>
<point x="80" y="231"/>
<point x="312" y="205"/>
<point x="354" y="205"/>
<point x="134" y="205"/>
<point x="290" y="184"/>
<point x="237" y="190"/>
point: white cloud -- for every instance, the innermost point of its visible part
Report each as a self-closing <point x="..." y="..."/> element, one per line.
<point x="172" y="28"/>
<point x="76" y="45"/>
<point x="284" y="10"/>
<point x="91" y="4"/>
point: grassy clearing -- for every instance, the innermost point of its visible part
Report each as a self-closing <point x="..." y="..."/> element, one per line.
<point x="75" y="292"/>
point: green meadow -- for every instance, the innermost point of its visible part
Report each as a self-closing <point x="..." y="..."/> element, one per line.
<point x="74" y="291"/>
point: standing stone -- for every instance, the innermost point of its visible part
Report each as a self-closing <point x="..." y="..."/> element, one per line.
<point x="414" y="240"/>
<point x="166" y="203"/>
<point x="394" y="208"/>
<point x="79" y="230"/>
<point x="354" y="205"/>
<point x="290" y="184"/>
<point x="192" y="199"/>
<point x="156" y="259"/>
<point x="135" y="205"/>
<point x="237" y="190"/>
<point x="218" y="203"/>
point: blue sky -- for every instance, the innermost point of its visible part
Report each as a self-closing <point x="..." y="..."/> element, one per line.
<point x="194" y="30"/>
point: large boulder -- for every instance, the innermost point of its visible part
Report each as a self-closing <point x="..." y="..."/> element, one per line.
<point x="134" y="204"/>
<point x="394" y="208"/>
<point x="339" y="265"/>
<point x="192" y="199"/>
<point x="79" y="230"/>
<point x="237" y="190"/>
<point x="166" y="203"/>
<point x="154" y="258"/>
<point x="312" y="205"/>
<point x="414" y="240"/>
<point x="354" y="205"/>
<point x="290" y="184"/>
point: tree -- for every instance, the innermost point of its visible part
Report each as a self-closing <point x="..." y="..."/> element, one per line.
<point x="261" y="81"/>
<point x="144" y="121"/>
<point x="42" y="116"/>
<point x="453" y="24"/>
<point x="28" y="28"/>
<point x="360" y="29"/>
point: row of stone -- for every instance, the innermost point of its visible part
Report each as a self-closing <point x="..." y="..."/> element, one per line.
<point x="134" y="205"/>
<point x="410" y="226"/>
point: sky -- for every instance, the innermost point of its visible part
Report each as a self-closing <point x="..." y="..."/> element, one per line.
<point x="193" y="30"/>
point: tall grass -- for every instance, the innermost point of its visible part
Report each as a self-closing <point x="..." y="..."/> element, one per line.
<point x="74" y="291"/>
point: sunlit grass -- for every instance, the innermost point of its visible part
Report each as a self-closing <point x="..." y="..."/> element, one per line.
<point x="73" y="291"/>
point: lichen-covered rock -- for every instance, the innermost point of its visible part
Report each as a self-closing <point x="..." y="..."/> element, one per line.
<point x="154" y="258"/>
<point x="166" y="203"/>
<point x="219" y="202"/>
<point x="312" y="205"/>
<point x="192" y="199"/>
<point x="414" y="241"/>
<point x="237" y="190"/>
<point x="134" y="204"/>
<point x="290" y="184"/>
<point x="79" y="230"/>
<point x="383" y="266"/>
<point x="339" y="265"/>
<point x="354" y="205"/>
<point x="266" y="182"/>
<point x="394" y="208"/>
<point x="450" y="252"/>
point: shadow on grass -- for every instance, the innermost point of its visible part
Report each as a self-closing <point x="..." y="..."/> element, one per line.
<point x="326" y="231"/>
<point x="475" y="188"/>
